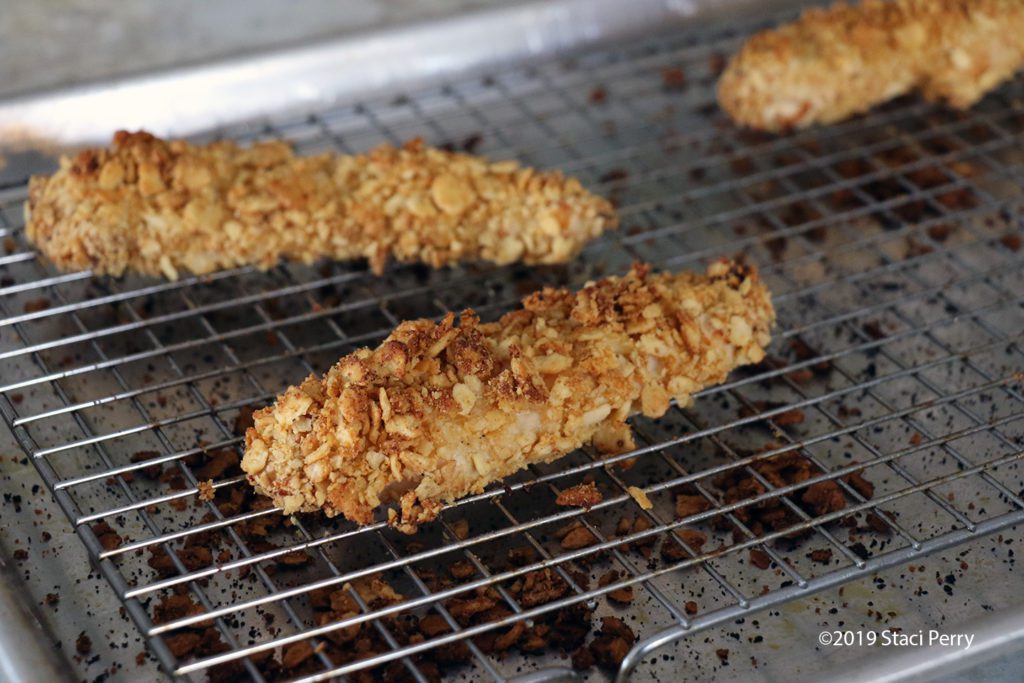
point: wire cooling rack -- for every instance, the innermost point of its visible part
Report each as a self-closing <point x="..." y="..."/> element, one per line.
<point x="891" y="244"/>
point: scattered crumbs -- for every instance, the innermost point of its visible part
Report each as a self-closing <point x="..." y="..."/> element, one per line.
<point x="83" y="645"/>
<point x="460" y="528"/>
<point x="873" y="329"/>
<point x="36" y="305"/>
<point x="108" y="538"/>
<point x="822" y="556"/>
<point x="1011" y="241"/>
<point x="673" y="78"/>
<point x="760" y="558"/>
<point x="583" y="495"/>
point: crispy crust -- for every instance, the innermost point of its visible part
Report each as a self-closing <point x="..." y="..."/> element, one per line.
<point x="439" y="411"/>
<point x="834" y="63"/>
<point x="159" y="207"/>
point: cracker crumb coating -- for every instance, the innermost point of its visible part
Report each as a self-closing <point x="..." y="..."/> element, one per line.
<point x="161" y="207"/>
<point x="834" y="63"/>
<point x="440" y="410"/>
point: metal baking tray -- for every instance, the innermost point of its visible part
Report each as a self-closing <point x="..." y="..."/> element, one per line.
<point x="891" y="244"/>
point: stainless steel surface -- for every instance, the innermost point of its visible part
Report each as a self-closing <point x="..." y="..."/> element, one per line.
<point x="26" y="653"/>
<point x="889" y="245"/>
<point x="193" y="99"/>
<point x="41" y="44"/>
<point x="995" y="633"/>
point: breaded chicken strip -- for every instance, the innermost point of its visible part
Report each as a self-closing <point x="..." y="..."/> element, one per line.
<point x="833" y="63"/>
<point x="439" y="411"/>
<point x="158" y="207"/>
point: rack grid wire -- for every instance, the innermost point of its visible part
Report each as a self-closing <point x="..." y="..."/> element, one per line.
<point x="891" y="244"/>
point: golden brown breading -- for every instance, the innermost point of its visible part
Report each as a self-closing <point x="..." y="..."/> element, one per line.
<point x="158" y="207"/>
<point x="834" y="63"/>
<point x="438" y="411"/>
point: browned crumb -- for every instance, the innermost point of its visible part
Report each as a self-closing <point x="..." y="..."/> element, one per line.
<point x="873" y="329"/>
<point x="612" y="643"/>
<point x="858" y="483"/>
<point x="540" y="587"/>
<point x="1011" y="241"/>
<point x="151" y="472"/>
<point x="789" y="417"/>
<point x="108" y="538"/>
<point x="433" y="625"/>
<point x="193" y="557"/>
<point x="460" y="527"/>
<point x="522" y="556"/>
<point x="295" y="654"/>
<point x="824" y="497"/>
<point x="36" y="305"/>
<point x="578" y="537"/>
<point x="786" y="418"/>
<point x="688" y="505"/>
<point x="583" y="495"/>
<point x="621" y="596"/>
<point x="877" y="524"/>
<point x="375" y="590"/>
<point x="463" y="569"/>
<point x="582" y="659"/>
<point x="941" y="232"/>
<point x="182" y="644"/>
<point x="673" y="78"/>
<point x="173" y="607"/>
<point x="693" y="538"/>
<point x="219" y="462"/>
<point x="823" y="555"/>
<point x="295" y="559"/>
<point x="672" y="551"/>
<point x="760" y="559"/>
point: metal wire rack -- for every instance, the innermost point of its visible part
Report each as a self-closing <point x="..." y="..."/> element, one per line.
<point x="891" y="244"/>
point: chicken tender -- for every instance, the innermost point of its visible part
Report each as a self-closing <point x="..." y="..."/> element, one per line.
<point x="158" y="208"/>
<point x="833" y="63"/>
<point x="439" y="411"/>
